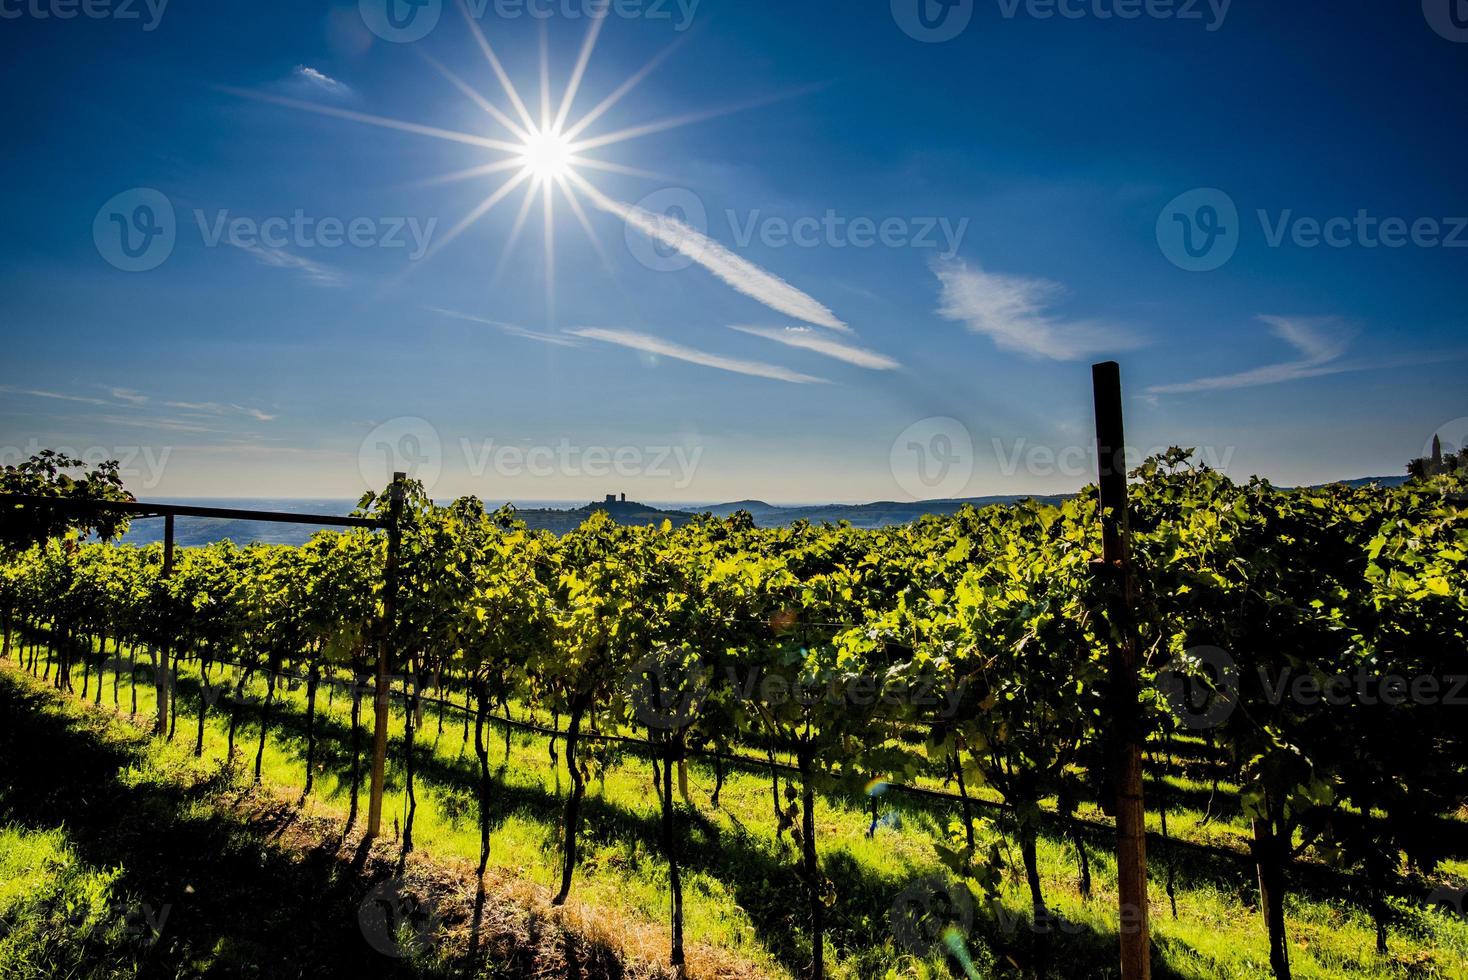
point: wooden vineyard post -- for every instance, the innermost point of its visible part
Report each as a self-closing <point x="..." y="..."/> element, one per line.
<point x="384" y="647"/>
<point x="1125" y="759"/>
<point x="162" y="675"/>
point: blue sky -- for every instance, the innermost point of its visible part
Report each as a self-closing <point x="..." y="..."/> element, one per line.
<point x="871" y="266"/>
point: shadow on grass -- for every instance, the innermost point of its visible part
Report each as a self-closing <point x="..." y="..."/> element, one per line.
<point x="759" y="874"/>
<point x="236" y="906"/>
<point x="231" y="902"/>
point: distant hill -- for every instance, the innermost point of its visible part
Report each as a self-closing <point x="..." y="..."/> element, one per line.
<point x="622" y="511"/>
<point x="880" y="514"/>
<point x="193" y="531"/>
<point x="1385" y="481"/>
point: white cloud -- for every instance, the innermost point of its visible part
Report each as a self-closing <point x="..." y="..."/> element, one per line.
<point x="320" y="80"/>
<point x="169" y="425"/>
<point x="1320" y="341"/>
<point x="678" y="352"/>
<point x="129" y="398"/>
<point x="215" y="408"/>
<point x="741" y="274"/>
<point x="1011" y="311"/>
<point x="509" y="328"/>
<point x="35" y="393"/>
<point x="807" y="339"/>
<point x="254" y="413"/>
<point x="279" y="258"/>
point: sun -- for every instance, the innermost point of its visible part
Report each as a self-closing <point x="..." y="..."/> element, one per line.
<point x="547" y="155"/>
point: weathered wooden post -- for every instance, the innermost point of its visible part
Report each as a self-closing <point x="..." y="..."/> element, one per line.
<point x="162" y="667"/>
<point x="384" y="646"/>
<point x="1125" y="685"/>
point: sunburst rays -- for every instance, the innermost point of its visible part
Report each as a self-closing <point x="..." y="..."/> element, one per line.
<point x="542" y="148"/>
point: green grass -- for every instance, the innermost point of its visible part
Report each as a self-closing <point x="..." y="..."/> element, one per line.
<point x="742" y="895"/>
<point x="59" y="916"/>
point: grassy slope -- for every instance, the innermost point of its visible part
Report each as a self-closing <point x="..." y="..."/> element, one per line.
<point x="743" y="898"/>
<point x="125" y="857"/>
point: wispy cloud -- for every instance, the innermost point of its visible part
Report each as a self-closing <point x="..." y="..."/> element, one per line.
<point x="807" y="339"/>
<point x="741" y="274"/>
<point x="1012" y="311"/>
<point x="166" y="424"/>
<point x="514" y="331"/>
<point x="255" y="413"/>
<point x="1321" y="342"/>
<point x="279" y="258"/>
<point x="666" y="348"/>
<point x="313" y="78"/>
<point x="127" y="400"/>
<point x="128" y="395"/>
<point x="58" y="396"/>
<point x="216" y="408"/>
